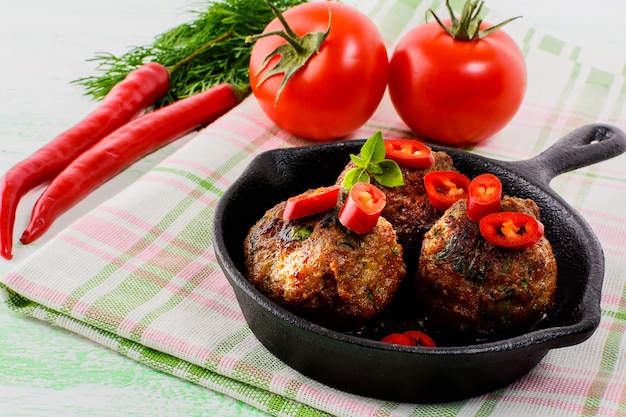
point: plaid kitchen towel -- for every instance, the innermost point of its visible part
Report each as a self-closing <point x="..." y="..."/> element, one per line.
<point x="138" y="274"/>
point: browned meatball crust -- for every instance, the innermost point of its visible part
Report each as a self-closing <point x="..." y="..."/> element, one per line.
<point x="467" y="284"/>
<point x="316" y="267"/>
<point x="408" y="208"/>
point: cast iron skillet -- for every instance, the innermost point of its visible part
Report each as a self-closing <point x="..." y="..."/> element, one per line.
<point x="462" y="368"/>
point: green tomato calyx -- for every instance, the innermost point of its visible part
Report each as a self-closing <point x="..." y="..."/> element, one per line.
<point x="467" y="27"/>
<point x="294" y="54"/>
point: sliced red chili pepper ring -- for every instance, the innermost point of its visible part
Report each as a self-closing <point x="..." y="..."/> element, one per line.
<point x="409" y="153"/>
<point x="444" y="188"/>
<point x="311" y="202"/>
<point x="362" y="208"/>
<point x="485" y="192"/>
<point x="410" y="338"/>
<point x="398" y="339"/>
<point x="420" y="338"/>
<point x="511" y="230"/>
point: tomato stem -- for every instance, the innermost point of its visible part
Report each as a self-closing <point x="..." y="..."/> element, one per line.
<point x="467" y="27"/>
<point x="288" y="34"/>
<point x="293" y="41"/>
<point x="293" y="55"/>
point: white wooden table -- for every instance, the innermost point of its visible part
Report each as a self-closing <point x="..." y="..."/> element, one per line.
<point x="44" y="45"/>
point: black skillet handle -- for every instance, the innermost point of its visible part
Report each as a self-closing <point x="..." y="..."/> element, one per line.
<point x="584" y="146"/>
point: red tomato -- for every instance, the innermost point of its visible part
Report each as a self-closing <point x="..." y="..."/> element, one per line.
<point x="485" y="192"/>
<point x="511" y="230"/>
<point x="362" y="208"/>
<point x="339" y="88"/>
<point x="409" y="153"/>
<point x="444" y="188"/>
<point x="456" y="92"/>
<point x="311" y="202"/>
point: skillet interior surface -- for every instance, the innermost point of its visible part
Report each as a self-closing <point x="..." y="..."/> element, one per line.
<point x="355" y="361"/>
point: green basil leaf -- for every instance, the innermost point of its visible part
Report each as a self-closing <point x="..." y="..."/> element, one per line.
<point x="368" y="148"/>
<point x="371" y="161"/>
<point x="358" y="161"/>
<point x="355" y="175"/>
<point x="374" y="148"/>
<point x="391" y="175"/>
<point x="374" y="169"/>
<point x="378" y="147"/>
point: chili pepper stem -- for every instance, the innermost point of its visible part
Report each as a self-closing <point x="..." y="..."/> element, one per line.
<point x="242" y="91"/>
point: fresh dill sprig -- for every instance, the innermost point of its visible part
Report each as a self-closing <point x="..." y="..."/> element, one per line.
<point x="209" y="50"/>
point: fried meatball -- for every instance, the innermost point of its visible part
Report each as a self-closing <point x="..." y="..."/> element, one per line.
<point x="467" y="284"/>
<point x="408" y="208"/>
<point x="316" y="267"/>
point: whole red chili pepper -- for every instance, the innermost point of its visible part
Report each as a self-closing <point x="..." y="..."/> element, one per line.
<point x="122" y="148"/>
<point x="139" y="90"/>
